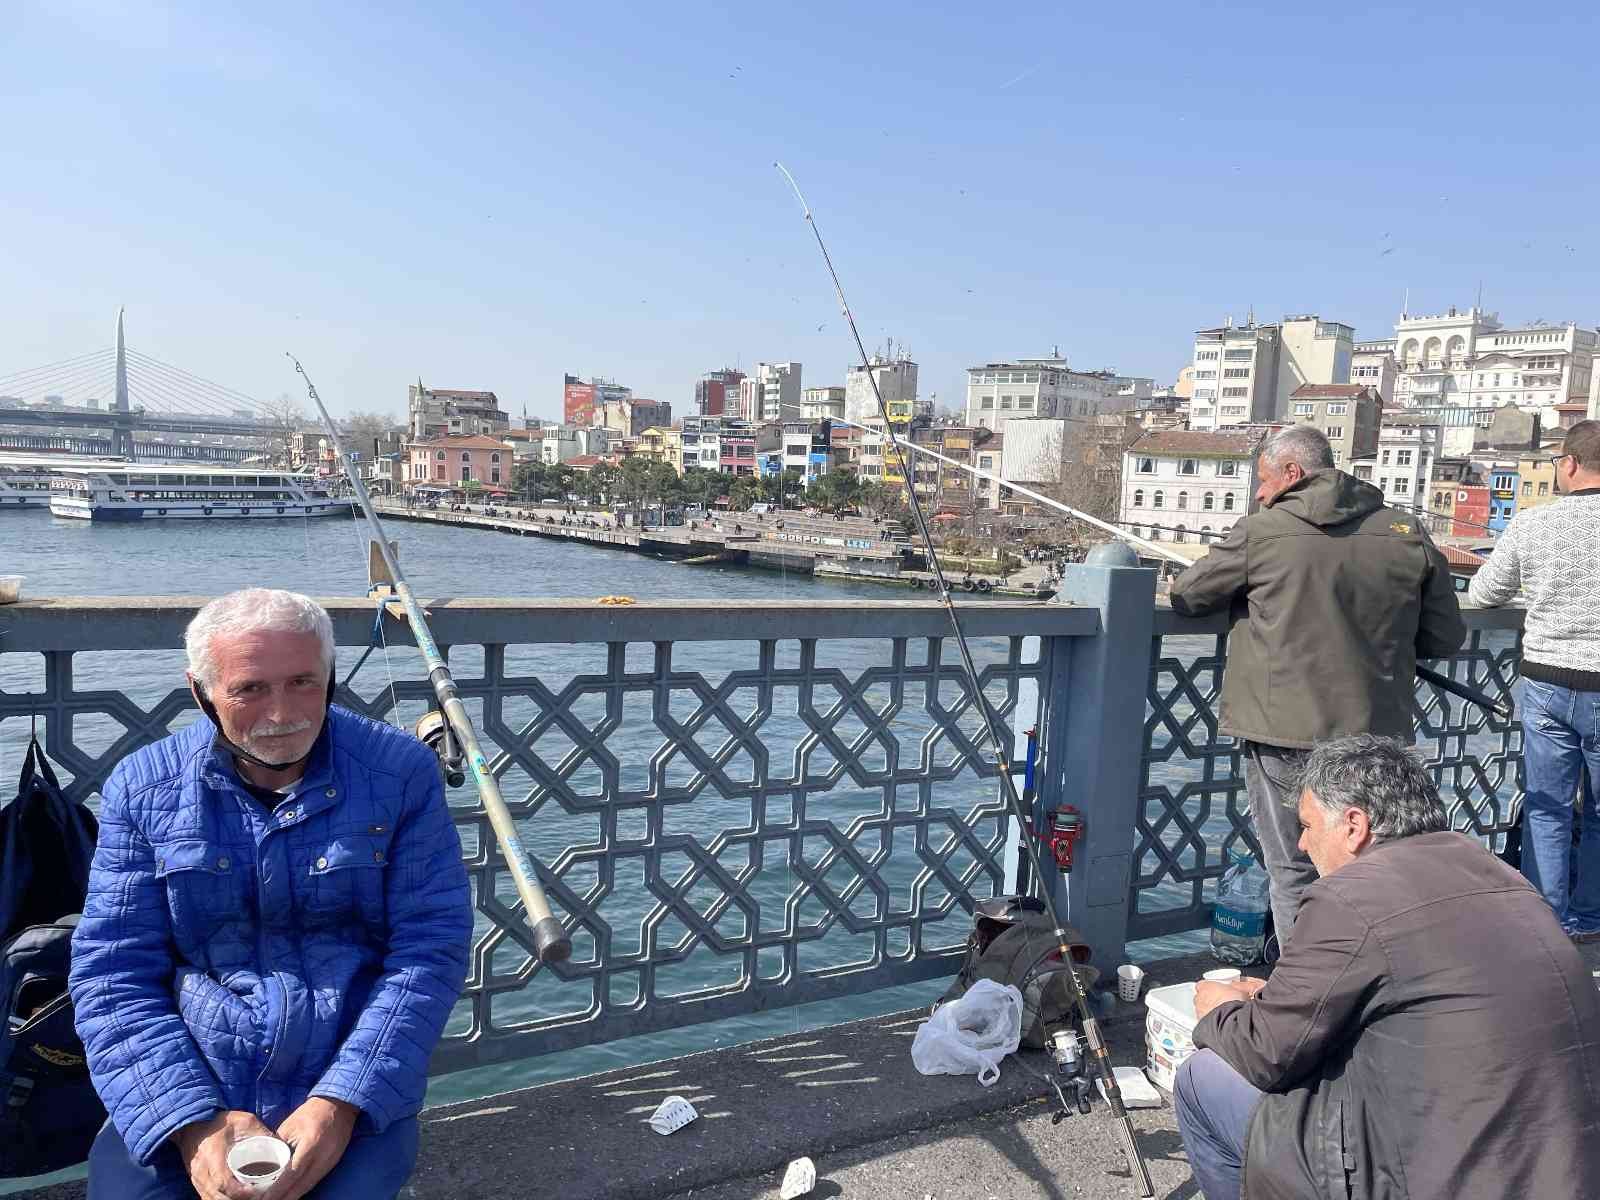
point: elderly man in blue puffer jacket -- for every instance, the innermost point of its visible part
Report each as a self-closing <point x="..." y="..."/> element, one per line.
<point x="276" y="930"/>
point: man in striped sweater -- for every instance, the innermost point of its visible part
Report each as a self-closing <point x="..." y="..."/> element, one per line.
<point x="1552" y="555"/>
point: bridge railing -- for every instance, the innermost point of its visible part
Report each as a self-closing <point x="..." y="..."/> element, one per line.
<point x="733" y="808"/>
<point x="737" y="809"/>
<point x="1192" y="808"/>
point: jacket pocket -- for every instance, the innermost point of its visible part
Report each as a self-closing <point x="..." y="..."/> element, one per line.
<point x="207" y="891"/>
<point x="344" y="878"/>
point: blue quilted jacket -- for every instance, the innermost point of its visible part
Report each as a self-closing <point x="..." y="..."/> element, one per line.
<point x="235" y="958"/>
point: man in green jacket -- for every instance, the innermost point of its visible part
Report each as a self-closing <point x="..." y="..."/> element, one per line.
<point x="1332" y="598"/>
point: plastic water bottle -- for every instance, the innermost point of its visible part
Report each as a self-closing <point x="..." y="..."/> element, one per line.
<point x="1239" y="919"/>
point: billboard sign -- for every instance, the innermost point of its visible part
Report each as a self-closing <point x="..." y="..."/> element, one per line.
<point x="577" y="404"/>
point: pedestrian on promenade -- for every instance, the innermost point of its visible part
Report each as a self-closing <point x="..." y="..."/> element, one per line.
<point x="1430" y="1034"/>
<point x="1551" y="554"/>
<point x="1332" y="597"/>
<point x="276" y="929"/>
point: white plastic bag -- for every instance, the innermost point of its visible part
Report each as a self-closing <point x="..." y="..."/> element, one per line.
<point x="970" y="1034"/>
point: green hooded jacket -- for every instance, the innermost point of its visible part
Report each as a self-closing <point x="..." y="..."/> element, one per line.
<point x="1332" y="598"/>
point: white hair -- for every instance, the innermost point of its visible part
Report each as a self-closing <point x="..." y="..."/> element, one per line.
<point x="254" y="610"/>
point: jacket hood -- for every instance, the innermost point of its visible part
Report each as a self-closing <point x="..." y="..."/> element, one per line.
<point x="1330" y="497"/>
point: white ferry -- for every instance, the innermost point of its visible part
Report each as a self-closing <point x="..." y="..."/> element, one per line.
<point x="24" y="487"/>
<point x="168" y="491"/>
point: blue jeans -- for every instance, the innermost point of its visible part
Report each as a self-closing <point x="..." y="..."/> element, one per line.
<point x="1561" y="757"/>
<point x="375" y="1166"/>
<point x="1214" y="1104"/>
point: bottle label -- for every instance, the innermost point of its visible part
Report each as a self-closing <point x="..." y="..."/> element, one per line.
<point x="1239" y="924"/>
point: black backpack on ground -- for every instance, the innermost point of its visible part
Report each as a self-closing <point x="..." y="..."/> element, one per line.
<point x="49" y="1112"/>
<point x="1013" y="942"/>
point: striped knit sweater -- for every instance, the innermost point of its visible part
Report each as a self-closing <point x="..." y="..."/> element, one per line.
<point x="1552" y="555"/>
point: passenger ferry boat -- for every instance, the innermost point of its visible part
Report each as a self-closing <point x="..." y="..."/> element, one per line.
<point x="24" y="486"/>
<point x="167" y="491"/>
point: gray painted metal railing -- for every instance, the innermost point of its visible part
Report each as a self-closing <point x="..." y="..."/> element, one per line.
<point x="738" y="809"/>
<point x="734" y="809"/>
<point x="1191" y="790"/>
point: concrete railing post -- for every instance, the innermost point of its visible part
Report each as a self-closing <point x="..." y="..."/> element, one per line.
<point x="1092" y="743"/>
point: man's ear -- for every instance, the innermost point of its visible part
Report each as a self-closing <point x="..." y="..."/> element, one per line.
<point x="1357" y="829"/>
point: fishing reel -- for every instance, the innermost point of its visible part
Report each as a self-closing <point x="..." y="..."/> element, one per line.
<point x="1071" y="1074"/>
<point x="433" y="730"/>
<point x="1063" y="828"/>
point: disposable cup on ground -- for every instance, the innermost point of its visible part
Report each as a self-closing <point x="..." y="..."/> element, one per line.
<point x="671" y="1115"/>
<point x="799" y="1179"/>
<point x="11" y="588"/>
<point x="1224" y="975"/>
<point x="1130" y="979"/>
<point x="257" y="1161"/>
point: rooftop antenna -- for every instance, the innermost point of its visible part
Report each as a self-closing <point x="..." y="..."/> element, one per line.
<point x="1405" y="305"/>
<point x="1480" y="298"/>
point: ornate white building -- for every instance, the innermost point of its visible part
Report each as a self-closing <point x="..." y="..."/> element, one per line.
<point x="1469" y="359"/>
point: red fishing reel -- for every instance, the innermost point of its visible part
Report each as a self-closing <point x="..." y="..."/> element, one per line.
<point x="1064" y="828"/>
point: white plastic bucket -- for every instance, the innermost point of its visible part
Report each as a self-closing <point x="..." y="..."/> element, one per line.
<point x="1168" y="1031"/>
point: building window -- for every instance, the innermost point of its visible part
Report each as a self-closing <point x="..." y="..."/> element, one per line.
<point x="1159" y="500"/>
<point x="1338" y="410"/>
<point x="1402" y="485"/>
<point x="1527" y="487"/>
<point x="1005" y="401"/>
<point x="1180" y="534"/>
<point x="441" y="456"/>
<point x="1147" y="466"/>
<point x="1183" y="500"/>
<point x="1402" y="458"/>
<point x="1229" y="392"/>
<point x="1227" y="467"/>
<point x="1205" y="374"/>
<point x="1335" y="432"/>
<point x="1208" y="502"/>
<point x="1383" y="459"/>
<point x="1188" y="466"/>
<point x="1238" y="355"/>
<point x="1138" y="498"/>
<point x="1305" y="410"/>
<point x="1227" y="502"/>
<point x="1024" y="401"/>
<point x="1544" y="489"/>
<point x="1236" y="373"/>
<point x="1205" y="534"/>
<point x="494" y="475"/>
<point x="494" y="458"/>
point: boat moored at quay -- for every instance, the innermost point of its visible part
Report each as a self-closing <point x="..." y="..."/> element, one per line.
<point x="142" y="492"/>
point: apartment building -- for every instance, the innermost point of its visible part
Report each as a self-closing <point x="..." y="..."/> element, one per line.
<point x="822" y="403"/>
<point x="1402" y="465"/>
<point x="776" y="394"/>
<point x="1372" y="365"/>
<point x="450" y="412"/>
<point x="1245" y="374"/>
<point x="896" y="378"/>
<point x="1000" y="391"/>
<point x="1349" y="414"/>
<point x="1189" y="486"/>
<point x="714" y="390"/>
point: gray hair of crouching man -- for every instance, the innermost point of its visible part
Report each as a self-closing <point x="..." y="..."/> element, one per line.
<point x="254" y="610"/>
<point x="1381" y="777"/>
<point x="1302" y="444"/>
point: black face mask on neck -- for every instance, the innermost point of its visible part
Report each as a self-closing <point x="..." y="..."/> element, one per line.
<point x="210" y="710"/>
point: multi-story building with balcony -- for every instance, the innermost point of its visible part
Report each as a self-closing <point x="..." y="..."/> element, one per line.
<point x="448" y="412"/>
<point x="1469" y="359"/>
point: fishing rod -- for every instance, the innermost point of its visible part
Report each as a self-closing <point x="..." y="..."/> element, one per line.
<point x="1500" y="708"/>
<point x="1080" y="1001"/>
<point x="549" y="937"/>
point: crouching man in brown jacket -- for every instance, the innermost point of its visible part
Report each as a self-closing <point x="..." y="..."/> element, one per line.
<point x="1430" y="1034"/>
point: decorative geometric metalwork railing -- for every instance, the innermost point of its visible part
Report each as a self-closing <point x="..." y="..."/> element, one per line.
<point x="734" y="809"/>
<point x="1192" y="795"/>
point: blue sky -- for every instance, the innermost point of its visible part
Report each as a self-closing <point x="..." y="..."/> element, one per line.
<point x="491" y="195"/>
